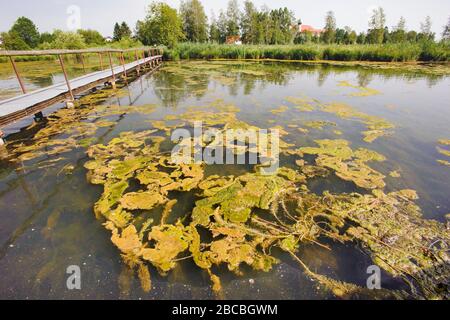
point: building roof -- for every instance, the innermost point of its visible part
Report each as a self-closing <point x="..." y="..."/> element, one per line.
<point x="305" y="27"/>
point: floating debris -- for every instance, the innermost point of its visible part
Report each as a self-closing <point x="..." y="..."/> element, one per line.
<point x="348" y="164"/>
<point x="362" y="91"/>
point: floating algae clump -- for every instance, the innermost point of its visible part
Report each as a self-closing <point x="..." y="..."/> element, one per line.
<point x="362" y="91"/>
<point x="318" y="124"/>
<point x="348" y="164"/>
<point x="445" y="152"/>
<point x="377" y="127"/>
<point x="237" y="200"/>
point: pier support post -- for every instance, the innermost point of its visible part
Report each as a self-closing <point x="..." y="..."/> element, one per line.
<point x="70" y="104"/>
<point x="113" y="81"/>
<point x="101" y="60"/>
<point x="2" y="141"/>
<point x="138" y="68"/>
<point x="38" y="117"/>
<point x="66" y="77"/>
<point x="22" y="86"/>
<point x="122" y="60"/>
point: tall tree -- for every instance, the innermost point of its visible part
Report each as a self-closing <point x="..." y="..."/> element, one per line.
<point x="117" y="35"/>
<point x="92" y="37"/>
<point x="121" y="31"/>
<point x="162" y="26"/>
<point x="249" y="22"/>
<point x="214" y="31"/>
<point x="446" y="32"/>
<point x="281" y="26"/>
<point x="194" y="19"/>
<point x="222" y="25"/>
<point x="425" y="27"/>
<point x="233" y="18"/>
<point x="350" y="36"/>
<point x="13" y="41"/>
<point x="27" y="31"/>
<point x="425" y="30"/>
<point x="125" y="30"/>
<point x="399" y="32"/>
<point x="376" y="26"/>
<point x="329" y="34"/>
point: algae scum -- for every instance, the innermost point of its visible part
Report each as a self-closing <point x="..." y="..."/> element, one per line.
<point x="363" y="180"/>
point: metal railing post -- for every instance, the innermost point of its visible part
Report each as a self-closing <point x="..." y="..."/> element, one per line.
<point x="82" y="63"/>
<point x="101" y="60"/>
<point x="122" y="59"/>
<point x="22" y="86"/>
<point x="113" y="83"/>
<point x="143" y="58"/>
<point x="66" y="77"/>
<point x="138" y="68"/>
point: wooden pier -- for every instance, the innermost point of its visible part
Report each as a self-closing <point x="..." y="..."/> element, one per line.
<point x="32" y="103"/>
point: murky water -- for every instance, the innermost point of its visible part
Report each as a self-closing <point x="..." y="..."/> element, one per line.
<point x="46" y="202"/>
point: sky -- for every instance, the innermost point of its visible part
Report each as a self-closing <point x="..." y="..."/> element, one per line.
<point x="102" y="14"/>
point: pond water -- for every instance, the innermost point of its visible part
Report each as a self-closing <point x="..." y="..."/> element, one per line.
<point x="47" y="201"/>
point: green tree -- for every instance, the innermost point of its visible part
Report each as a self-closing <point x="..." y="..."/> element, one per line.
<point x="92" y="37"/>
<point x="411" y="36"/>
<point x="376" y="26"/>
<point x="399" y="32"/>
<point x="361" y="39"/>
<point x="162" y="26"/>
<point x="194" y="20"/>
<point x="65" y="40"/>
<point x="46" y="37"/>
<point x="340" y="36"/>
<point x="121" y="31"/>
<point x="329" y="34"/>
<point x="446" y="32"/>
<point x="117" y="35"/>
<point x="350" y="36"/>
<point x="303" y="37"/>
<point x="125" y="30"/>
<point x="222" y="25"/>
<point x="249" y="22"/>
<point x="214" y="31"/>
<point x="13" y="41"/>
<point x="27" y="31"/>
<point x="425" y="30"/>
<point x="233" y="18"/>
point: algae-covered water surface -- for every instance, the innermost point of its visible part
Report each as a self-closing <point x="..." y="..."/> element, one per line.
<point x="363" y="183"/>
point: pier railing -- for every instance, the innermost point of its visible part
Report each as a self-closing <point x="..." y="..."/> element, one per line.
<point x="139" y="53"/>
<point x="33" y="102"/>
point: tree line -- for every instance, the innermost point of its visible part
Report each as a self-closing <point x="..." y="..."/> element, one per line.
<point x="266" y="26"/>
<point x="24" y="35"/>
<point x="165" y="25"/>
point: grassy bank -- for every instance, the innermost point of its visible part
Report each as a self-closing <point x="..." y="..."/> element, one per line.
<point x="381" y="53"/>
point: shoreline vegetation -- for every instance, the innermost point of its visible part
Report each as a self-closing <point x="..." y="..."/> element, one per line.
<point x="371" y="53"/>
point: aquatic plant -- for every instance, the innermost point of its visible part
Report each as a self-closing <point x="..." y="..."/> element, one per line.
<point x="445" y="152"/>
<point x="362" y="91"/>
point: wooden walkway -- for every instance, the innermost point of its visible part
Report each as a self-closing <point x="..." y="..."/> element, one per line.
<point x="31" y="103"/>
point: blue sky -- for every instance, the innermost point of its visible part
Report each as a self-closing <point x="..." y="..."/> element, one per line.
<point x="102" y="14"/>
